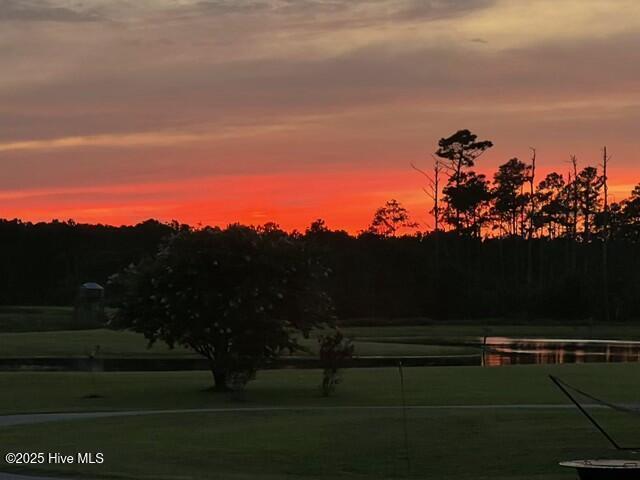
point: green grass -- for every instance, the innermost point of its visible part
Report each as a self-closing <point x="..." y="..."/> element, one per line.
<point x="65" y="391"/>
<point x="393" y="348"/>
<point x="77" y="343"/>
<point x="494" y="443"/>
<point x="497" y="444"/>
<point x="53" y="332"/>
<point x="34" y="319"/>
<point x="466" y="445"/>
<point x="350" y="444"/>
<point x="123" y="344"/>
<point x="471" y="330"/>
<point x="408" y="340"/>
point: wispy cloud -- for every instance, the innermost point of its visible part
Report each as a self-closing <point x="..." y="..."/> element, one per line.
<point x="161" y="90"/>
<point x="124" y="140"/>
<point x="41" y="11"/>
<point x="163" y="138"/>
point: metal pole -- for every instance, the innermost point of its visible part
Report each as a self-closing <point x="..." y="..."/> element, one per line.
<point x="404" y="419"/>
<point x="585" y="413"/>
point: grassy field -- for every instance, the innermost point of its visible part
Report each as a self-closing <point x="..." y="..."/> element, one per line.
<point x="500" y="443"/>
<point x="18" y="337"/>
<point x="66" y="391"/>
<point x="474" y="330"/>
<point x="75" y="343"/>
<point x="310" y="445"/>
<point x="313" y="443"/>
<point x="53" y="332"/>
<point x="39" y="319"/>
<point x="47" y="318"/>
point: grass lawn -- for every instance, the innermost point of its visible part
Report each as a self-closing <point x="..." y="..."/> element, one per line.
<point x="34" y="319"/>
<point x="471" y="445"/>
<point x="407" y="340"/>
<point x="465" y="331"/>
<point x="492" y="443"/>
<point x="65" y="391"/>
<point x="78" y="343"/>
<point x="52" y="332"/>
<point x="467" y="444"/>
<point x="122" y="344"/>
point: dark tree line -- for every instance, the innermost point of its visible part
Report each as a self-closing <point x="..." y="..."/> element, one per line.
<point x="516" y="244"/>
<point x="439" y="274"/>
<point x="515" y="203"/>
<point x="44" y="263"/>
<point x="396" y="277"/>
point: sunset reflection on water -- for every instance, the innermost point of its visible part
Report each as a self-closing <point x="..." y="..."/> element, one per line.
<point x="500" y="351"/>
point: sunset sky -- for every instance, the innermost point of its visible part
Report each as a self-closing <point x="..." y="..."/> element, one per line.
<point x="215" y="111"/>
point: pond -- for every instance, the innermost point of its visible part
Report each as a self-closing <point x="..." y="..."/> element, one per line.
<point x="500" y="351"/>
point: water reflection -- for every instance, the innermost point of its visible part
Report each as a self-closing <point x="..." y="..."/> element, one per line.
<point x="500" y="351"/>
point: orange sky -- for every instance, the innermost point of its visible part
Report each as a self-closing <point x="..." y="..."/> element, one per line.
<point x="345" y="200"/>
<point x="216" y="111"/>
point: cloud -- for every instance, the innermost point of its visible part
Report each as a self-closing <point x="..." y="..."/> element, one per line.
<point x="230" y="7"/>
<point x="394" y="9"/>
<point x="280" y="85"/>
<point x="40" y="11"/>
<point x="440" y="9"/>
<point x="121" y="95"/>
<point x="326" y="15"/>
<point x="150" y="139"/>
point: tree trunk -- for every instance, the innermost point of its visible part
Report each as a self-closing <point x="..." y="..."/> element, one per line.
<point x="605" y="282"/>
<point x="219" y="378"/>
<point x="531" y="230"/>
<point x="605" y="240"/>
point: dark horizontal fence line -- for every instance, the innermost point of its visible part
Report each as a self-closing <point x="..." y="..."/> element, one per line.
<point x="175" y="364"/>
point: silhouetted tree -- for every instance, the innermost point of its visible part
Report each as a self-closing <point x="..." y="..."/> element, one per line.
<point x="509" y="199"/>
<point x="531" y="178"/>
<point x="335" y="351"/>
<point x="588" y="187"/>
<point x="460" y="152"/>
<point x="552" y="212"/>
<point x="433" y="190"/>
<point x="533" y="205"/>
<point x="630" y="216"/>
<point x="388" y="220"/>
<point x="235" y="296"/>
<point x="468" y="200"/>
<point x="318" y="226"/>
<point x="463" y="272"/>
<point x="573" y="194"/>
<point x="605" y="234"/>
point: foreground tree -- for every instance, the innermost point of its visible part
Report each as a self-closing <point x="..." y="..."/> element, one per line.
<point x="335" y="351"/>
<point x="237" y="296"/>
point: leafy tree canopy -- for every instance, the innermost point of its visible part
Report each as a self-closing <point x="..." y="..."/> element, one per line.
<point x="388" y="220"/>
<point x="236" y="296"/>
<point x="463" y="147"/>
